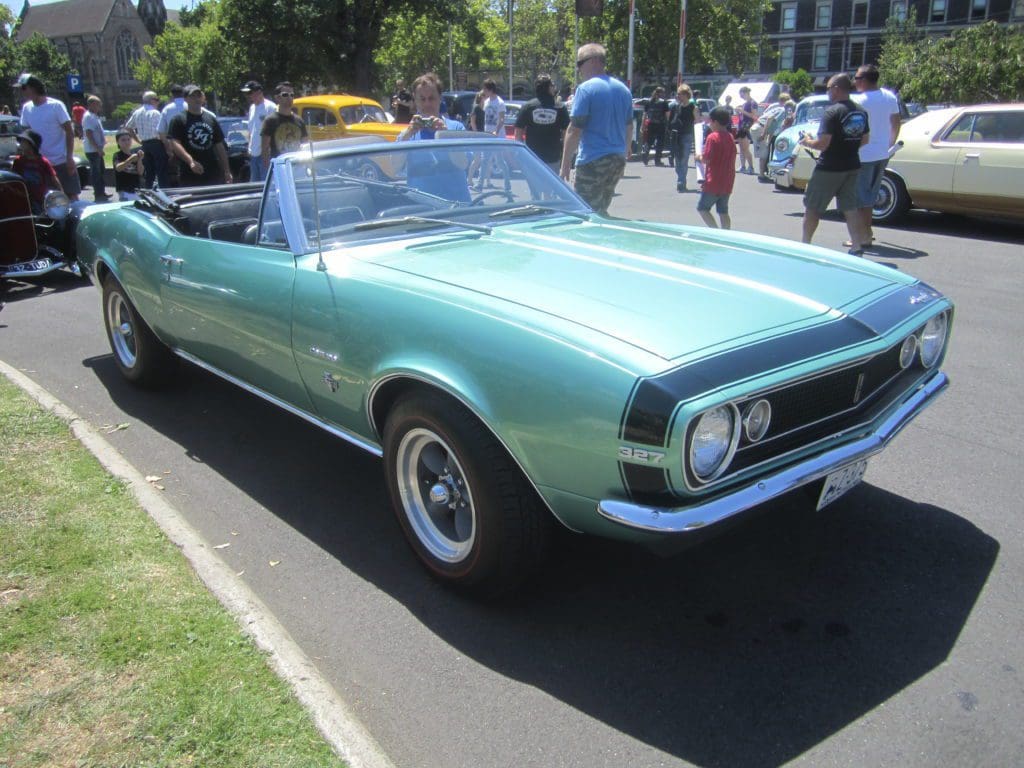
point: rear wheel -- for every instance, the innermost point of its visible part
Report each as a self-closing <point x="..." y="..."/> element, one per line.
<point x="462" y="502"/>
<point x="892" y="201"/>
<point x="140" y="356"/>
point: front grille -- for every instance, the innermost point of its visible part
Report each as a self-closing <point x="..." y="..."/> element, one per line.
<point x="811" y="410"/>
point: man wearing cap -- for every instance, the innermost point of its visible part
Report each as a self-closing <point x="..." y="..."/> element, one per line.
<point x="35" y="169"/>
<point x="198" y="142"/>
<point x="144" y="126"/>
<point x="259" y="109"/>
<point x="50" y="119"/>
<point x="174" y="107"/>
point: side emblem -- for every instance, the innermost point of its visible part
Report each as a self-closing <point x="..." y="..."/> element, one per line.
<point x="641" y="455"/>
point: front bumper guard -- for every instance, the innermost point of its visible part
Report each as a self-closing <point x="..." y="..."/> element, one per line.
<point x="700" y="516"/>
<point x="43" y="264"/>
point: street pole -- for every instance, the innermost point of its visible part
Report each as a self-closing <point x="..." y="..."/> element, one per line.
<point x="629" y="63"/>
<point x="451" y="59"/>
<point x="682" y="43"/>
<point x="510" y="4"/>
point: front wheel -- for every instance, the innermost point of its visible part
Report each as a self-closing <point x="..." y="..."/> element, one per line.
<point x="462" y="502"/>
<point x="892" y="201"/>
<point x="140" y="356"/>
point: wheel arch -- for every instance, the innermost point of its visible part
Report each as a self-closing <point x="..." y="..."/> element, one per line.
<point x="389" y="389"/>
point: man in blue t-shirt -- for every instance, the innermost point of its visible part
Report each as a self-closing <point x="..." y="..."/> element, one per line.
<point x="601" y="128"/>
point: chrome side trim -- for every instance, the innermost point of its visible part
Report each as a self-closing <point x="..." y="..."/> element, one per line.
<point x="703" y="515"/>
<point x="344" y="434"/>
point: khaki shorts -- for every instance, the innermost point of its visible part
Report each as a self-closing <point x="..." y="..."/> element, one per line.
<point x="596" y="180"/>
<point x="825" y="185"/>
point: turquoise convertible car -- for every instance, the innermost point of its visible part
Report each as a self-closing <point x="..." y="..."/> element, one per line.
<point x="518" y="361"/>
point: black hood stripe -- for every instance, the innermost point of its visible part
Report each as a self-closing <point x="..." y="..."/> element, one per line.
<point x="646" y="418"/>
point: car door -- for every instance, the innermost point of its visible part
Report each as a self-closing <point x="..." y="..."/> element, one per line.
<point x="927" y="166"/>
<point x="989" y="174"/>
<point x="321" y="123"/>
<point x="229" y="304"/>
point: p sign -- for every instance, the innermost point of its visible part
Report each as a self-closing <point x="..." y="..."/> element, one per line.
<point x="74" y="84"/>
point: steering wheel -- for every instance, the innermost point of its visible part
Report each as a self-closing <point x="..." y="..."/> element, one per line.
<point x="507" y="194"/>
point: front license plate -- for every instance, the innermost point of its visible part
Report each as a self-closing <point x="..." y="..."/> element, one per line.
<point x="840" y="481"/>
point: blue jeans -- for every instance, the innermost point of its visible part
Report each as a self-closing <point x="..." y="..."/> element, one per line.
<point x="96" y="169"/>
<point x="257" y="171"/>
<point x="684" y="146"/>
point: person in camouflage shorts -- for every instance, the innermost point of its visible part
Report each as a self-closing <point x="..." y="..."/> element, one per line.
<point x="601" y="128"/>
<point x="596" y="180"/>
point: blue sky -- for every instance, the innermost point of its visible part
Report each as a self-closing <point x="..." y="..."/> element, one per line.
<point x="15" y="5"/>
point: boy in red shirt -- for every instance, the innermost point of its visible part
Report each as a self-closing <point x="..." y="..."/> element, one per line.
<point x="35" y="169"/>
<point x="719" y="158"/>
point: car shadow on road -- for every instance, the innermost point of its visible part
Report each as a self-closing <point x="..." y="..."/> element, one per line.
<point x="13" y="289"/>
<point x="933" y="223"/>
<point x="747" y="650"/>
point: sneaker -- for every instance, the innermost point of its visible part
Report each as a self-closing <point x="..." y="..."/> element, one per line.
<point x="680" y="187"/>
<point x="856" y="252"/>
<point x="848" y="244"/>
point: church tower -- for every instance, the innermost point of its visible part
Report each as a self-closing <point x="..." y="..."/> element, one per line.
<point x="153" y="15"/>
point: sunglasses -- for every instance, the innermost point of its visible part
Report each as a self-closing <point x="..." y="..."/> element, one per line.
<point x="286" y="95"/>
<point x="858" y="77"/>
<point x="581" y="62"/>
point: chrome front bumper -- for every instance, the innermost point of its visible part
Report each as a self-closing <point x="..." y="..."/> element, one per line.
<point x="702" y="515"/>
<point x="783" y="175"/>
<point x="42" y="265"/>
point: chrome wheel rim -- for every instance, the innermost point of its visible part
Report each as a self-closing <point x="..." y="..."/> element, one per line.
<point x="436" y="496"/>
<point x="885" y="200"/>
<point x="122" y="330"/>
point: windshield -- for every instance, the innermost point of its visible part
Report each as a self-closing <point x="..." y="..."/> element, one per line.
<point x="418" y="186"/>
<point x="363" y="113"/>
<point x="810" y="112"/>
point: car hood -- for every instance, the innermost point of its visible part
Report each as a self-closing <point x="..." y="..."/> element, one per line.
<point x="670" y="291"/>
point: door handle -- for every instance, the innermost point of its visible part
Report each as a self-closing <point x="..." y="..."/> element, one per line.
<point x="972" y="156"/>
<point x="168" y="261"/>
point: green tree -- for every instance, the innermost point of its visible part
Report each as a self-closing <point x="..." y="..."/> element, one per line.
<point x="40" y="57"/>
<point x="195" y="54"/>
<point x="979" y="63"/>
<point x="8" y="57"/>
<point x="123" y="111"/>
<point x="798" y="84"/>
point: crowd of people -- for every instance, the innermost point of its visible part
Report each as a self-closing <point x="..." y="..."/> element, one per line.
<point x="587" y="140"/>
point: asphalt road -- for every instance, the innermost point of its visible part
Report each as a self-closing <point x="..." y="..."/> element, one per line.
<point x="883" y="631"/>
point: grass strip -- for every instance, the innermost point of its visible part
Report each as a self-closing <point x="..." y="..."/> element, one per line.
<point x="112" y="652"/>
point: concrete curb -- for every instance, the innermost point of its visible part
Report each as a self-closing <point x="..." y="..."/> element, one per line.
<point x="331" y="715"/>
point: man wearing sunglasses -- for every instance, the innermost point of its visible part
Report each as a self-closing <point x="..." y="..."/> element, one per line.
<point x="601" y="128"/>
<point x="282" y="130"/>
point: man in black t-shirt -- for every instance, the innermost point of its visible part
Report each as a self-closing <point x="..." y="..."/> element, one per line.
<point x="282" y="131"/>
<point x="542" y="123"/>
<point x="842" y="131"/>
<point x="198" y="141"/>
<point x="656" y="119"/>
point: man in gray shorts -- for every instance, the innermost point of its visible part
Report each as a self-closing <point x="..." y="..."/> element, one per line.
<point x="843" y="129"/>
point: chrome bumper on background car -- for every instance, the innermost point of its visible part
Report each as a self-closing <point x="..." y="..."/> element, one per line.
<point x="783" y="176"/>
<point x="701" y="516"/>
<point x="40" y="266"/>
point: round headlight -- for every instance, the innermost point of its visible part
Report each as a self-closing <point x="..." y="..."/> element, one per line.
<point x="781" y="146"/>
<point x="933" y="339"/>
<point x="56" y="204"/>
<point x="907" y="351"/>
<point x="713" y="442"/>
<point x="756" y="420"/>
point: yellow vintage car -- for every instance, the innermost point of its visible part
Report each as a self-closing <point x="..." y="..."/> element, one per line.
<point x="967" y="160"/>
<point x="341" y="116"/>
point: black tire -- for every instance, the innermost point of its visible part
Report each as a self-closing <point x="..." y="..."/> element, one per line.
<point x="462" y="502"/>
<point x="892" y="202"/>
<point x="140" y="356"/>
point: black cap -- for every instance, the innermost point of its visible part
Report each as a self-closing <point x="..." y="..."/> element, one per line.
<point x="192" y="89"/>
<point x="30" y="80"/>
<point x="32" y="138"/>
<point x="252" y="85"/>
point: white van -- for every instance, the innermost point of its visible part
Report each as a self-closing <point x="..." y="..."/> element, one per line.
<point x="762" y="93"/>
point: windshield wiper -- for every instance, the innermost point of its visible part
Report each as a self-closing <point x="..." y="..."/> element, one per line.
<point x="399" y="221"/>
<point x="527" y="210"/>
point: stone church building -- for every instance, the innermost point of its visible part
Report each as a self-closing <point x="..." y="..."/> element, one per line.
<point x="102" y="38"/>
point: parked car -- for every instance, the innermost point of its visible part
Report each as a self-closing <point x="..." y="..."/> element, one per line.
<point x="236" y="141"/>
<point x="511" y="113"/>
<point x="459" y="105"/>
<point x="967" y="160"/>
<point x="339" y="116"/>
<point x="34" y="244"/>
<point x="805" y="120"/>
<point x="516" y="359"/>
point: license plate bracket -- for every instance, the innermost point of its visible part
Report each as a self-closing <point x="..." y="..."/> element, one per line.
<point x="840" y="481"/>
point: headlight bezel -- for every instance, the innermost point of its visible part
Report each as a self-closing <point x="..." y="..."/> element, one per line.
<point x="57" y="205"/>
<point x="931" y="359"/>
<point x="723" y="464"/>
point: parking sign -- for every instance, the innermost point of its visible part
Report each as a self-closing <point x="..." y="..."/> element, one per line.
<point x="74" y="84"/>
